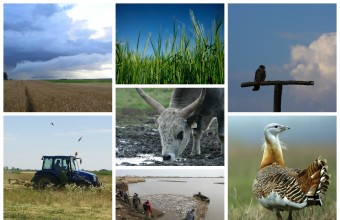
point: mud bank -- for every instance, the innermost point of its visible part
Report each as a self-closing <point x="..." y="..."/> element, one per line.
<point x="165" y="207"/>
<point x="125" y="211"/>
<point x="177" y="206"/>
<point x="142" y="144"/>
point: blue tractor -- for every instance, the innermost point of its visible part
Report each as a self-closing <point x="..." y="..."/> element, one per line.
<point x="62" y="170"/>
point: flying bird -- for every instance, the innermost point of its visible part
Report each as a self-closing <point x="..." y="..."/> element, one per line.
<point x="260" y="76"/>
<point x="279" y="188"/>
<point x="80" y="139"/>
<point x="52" y="124"/>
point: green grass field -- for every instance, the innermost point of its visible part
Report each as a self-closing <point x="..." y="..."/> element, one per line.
<point x="243" y="166"/>
<point x="21" y="202"/>
<point x="185" y="60"/>
<point x="131" y="109"/>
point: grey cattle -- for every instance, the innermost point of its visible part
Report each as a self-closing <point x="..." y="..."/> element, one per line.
<point x="190" y="110"/>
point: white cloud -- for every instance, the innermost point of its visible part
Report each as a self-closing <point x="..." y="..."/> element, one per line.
<point x="316" y="62"/>
<point x="97" y="17"/>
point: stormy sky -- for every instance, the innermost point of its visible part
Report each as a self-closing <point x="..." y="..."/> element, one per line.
<point x="53" y="41"/>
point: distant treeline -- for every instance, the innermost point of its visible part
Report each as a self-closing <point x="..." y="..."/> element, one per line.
<point x="169" y="176"/>
<point x="103" y="172"/>
<point x="80" y="80"/>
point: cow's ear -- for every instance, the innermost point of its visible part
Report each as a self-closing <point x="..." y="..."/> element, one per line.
<point x="194" y="121"/>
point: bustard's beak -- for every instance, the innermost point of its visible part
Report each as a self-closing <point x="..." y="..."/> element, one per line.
<point x="285" y="128"/>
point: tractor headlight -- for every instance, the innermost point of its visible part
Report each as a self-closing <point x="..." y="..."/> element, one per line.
<point x="94" y="178"/>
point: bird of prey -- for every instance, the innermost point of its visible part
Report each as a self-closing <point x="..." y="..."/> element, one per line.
<point x="260" y="76"/>
<point x="80" y="139"/>
<point x="52" y="124"/>
<point x="279" y="188"/>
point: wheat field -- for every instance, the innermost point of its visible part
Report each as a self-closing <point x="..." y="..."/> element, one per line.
<point x="44" y="96"/>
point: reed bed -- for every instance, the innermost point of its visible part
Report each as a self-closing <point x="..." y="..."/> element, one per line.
<point x="179" y="60"/>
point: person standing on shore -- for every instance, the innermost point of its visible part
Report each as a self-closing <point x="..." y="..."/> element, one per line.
<point x="125" y="197"/>
<point x="147" y="209"/>
<point x="136" y="201"/>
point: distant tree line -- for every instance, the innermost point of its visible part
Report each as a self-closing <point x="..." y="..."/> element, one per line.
<point x="5" y="76"/>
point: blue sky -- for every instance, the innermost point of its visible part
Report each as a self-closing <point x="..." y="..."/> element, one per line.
<point x="53" y="41"/>
<point x="304" y="130"/>
<point x="294" y="42"/>
<point x="28" y="138"/>
<point x="155" y="18"/>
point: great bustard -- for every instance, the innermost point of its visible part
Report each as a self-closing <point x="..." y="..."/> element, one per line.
<point x="279" y="188"/>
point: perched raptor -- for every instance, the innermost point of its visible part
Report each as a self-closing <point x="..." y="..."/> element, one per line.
<point x="260" y="76"/>
<point x="279" y="188"/>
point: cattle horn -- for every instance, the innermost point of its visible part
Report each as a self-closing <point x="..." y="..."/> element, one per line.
<point x="156" y="105"/>
<point x="184" y="112"/>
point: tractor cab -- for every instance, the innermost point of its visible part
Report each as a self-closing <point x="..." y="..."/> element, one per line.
<point x="61" y="163"/>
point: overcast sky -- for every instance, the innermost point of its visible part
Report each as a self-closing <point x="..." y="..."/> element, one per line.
<point x="53" y="41"/>
<point x="172" y="172"/>
<point x="294" y="42"/>
<point x="28" y="138"/>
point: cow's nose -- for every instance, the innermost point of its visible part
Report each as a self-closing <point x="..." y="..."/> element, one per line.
<point x="166" y="157"/>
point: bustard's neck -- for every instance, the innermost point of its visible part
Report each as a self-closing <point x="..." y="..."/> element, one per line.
<point x="272" y="152"/>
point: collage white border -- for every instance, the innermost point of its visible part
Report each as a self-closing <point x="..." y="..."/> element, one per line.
<point x="227" y="114"/>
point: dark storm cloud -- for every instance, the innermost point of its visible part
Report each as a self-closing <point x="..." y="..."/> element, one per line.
<point x="69" y="64"/>
<point x="42" y="32"/>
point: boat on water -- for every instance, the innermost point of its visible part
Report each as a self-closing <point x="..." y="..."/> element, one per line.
<point x="202" y="197"/>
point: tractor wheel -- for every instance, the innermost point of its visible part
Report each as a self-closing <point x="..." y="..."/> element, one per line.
<point x="44" y="180"/>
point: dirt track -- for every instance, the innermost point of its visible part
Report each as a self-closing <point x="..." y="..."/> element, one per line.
<point x="134" y="140"/>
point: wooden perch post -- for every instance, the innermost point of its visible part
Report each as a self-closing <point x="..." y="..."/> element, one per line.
<point x="278" y="89"/>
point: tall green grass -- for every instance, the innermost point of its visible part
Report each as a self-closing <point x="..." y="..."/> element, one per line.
<point x="185" y="60"/>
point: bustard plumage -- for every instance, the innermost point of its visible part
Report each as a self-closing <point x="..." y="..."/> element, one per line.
<point x="280" y="188"/>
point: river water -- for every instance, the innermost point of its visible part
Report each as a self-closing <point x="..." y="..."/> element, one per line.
<point x="158" y="189"/>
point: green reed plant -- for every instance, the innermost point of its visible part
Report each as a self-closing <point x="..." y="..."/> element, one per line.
<point x="178" y="59"/>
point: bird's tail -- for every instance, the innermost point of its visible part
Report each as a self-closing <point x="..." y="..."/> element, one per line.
<point x="316" y="180"/>
<point x="256" y="88"/>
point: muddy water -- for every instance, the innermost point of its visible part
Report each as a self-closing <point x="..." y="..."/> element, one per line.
<point x="161" y="193"/>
